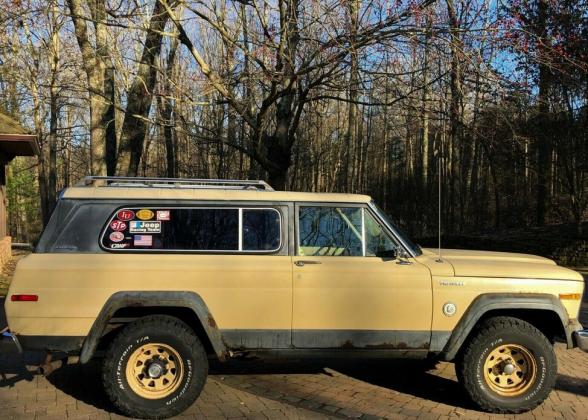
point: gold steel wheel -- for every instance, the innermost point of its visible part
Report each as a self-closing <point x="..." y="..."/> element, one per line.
<point x="154" y="371"/>
<point x="510" y="370"/>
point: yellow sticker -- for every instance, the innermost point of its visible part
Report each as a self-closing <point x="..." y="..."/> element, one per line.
<point x="144" y="214"/>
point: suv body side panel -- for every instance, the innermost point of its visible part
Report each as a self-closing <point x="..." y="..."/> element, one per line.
<point x="242" y="292"/>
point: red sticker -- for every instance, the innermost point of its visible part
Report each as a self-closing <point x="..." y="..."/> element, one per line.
<point x="118" y="226"/>
<point x="125" y="215"/>
<point x="117" y="236"/>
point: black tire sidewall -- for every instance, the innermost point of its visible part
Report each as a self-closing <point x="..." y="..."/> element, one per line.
<point x="195" y="369"/>
<point x="544" y="360"/>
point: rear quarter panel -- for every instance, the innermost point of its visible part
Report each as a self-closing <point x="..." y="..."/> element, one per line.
<point x="241" y="291"/>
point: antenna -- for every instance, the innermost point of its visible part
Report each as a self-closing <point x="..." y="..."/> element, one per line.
<point x="440" y="171"/>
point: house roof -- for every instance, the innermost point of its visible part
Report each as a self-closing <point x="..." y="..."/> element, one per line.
<point x="15" y="140"/>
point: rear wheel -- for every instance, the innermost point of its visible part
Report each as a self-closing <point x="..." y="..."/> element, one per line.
<point x="154" y="368"/>
<point x="508" y="366"/>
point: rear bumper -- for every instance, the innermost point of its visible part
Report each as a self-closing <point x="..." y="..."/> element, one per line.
<point x="581" y="339"/>
<point x="9" y="343"/>
<point x="52" y="343"/>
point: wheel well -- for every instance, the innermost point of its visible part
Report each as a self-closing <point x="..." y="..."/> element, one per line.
<point x="129" y="314"/>
<point x="546" y="321"/>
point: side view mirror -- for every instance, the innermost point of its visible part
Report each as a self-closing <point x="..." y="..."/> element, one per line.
<point x="388" y="254"/>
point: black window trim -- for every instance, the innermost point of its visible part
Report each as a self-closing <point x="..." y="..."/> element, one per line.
<point x="239" y="251"/>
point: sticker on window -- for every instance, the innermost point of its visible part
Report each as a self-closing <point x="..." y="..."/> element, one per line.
<point x="143" y="240"/>
<point x="137" y="226"/>
<point x="163" y="215"/>
<point x="125" y="215"/>
<point x="117" y="236"/>
<point x="144" y="214"/>
<point x="118" y="225"/>
<point x="119" y="246"/>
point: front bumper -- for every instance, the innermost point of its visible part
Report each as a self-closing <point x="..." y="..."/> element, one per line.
<point x="581" y="339"/>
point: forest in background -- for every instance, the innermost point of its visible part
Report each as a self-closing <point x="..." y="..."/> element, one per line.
<point x="382" y="97"/>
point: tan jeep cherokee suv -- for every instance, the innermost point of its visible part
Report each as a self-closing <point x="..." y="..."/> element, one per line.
<point x="159" y="275"/>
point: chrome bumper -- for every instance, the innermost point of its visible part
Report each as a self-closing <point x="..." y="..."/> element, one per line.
<point x="581" y="339"/>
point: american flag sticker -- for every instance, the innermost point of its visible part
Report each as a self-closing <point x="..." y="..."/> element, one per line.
<point x="143" y="240"/>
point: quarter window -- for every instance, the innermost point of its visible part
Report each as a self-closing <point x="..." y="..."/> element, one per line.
<point x="377" y="240"/>
<point x="194" y="229"/>
<point x="261" y="230"/>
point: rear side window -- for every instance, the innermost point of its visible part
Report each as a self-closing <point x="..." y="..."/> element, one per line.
<point x="213" y="229"/>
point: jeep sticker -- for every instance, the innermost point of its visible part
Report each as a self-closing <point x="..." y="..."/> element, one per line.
<point x="144" y="214"/>
<point x="137" y="226"/>
<point x="125" y="215"/>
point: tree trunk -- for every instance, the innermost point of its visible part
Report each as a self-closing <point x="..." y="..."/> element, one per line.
<point x="140" y="95"/>
<point x="543" y="133"/>
<point x="94" y="67"/>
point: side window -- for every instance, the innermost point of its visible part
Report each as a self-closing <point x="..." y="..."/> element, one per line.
<point x="261" y="229"/>
<point x="377" y="240"/>
<point x="201" y="229"/>
<point x="330" y="231"/>
<point x="193" y="229"/>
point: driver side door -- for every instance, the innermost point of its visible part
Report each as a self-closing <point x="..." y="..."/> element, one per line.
<point x="345" y="296"/>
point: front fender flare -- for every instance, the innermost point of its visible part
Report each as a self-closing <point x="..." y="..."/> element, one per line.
<point x="504" y="301"/>
<point x="131" y="299"/>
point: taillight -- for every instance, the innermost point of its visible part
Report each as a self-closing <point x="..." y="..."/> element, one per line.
<point x="24" y="298"/>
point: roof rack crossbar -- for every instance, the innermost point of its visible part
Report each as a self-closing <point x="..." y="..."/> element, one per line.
<point x="115" y="181"/>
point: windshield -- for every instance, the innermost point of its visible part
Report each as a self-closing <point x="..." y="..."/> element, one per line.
<point x="412" y="247"/>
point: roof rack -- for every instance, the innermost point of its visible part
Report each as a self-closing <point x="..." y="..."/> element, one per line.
<point x="125" y="181"/>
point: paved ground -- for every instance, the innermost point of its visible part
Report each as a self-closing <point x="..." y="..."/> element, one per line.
<point x="260" y="390"/>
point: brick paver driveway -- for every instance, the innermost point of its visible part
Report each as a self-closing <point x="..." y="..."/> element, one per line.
<point x="297" y="389"/>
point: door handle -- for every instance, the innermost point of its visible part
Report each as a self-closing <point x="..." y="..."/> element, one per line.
<point x="301" y="263"/>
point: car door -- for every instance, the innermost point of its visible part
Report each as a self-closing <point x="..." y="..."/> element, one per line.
<point x="346" y="292"/>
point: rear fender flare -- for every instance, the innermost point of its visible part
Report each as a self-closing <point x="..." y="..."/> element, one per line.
<point x="128" y="299"/>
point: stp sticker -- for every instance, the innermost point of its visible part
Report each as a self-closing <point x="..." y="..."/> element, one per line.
<point x="117" y="236"/>
<point x="119" y="246"/>
<point x="118" y="225"/>
<point x="145" y="214"/>
<point x="125" y="215"/>
<point x="143" y="240"/>
<point x="163" y="215"/>
<point x="145" y="227"/>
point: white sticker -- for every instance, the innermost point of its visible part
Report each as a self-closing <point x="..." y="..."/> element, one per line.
<point x="117" y="236"/>
<point x="163" y="215"/>
<point x="137" y="226"/>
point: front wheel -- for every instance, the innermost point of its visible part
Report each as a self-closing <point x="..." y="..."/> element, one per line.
<point x="154" y="368"/>
<point x="508" y="366"/>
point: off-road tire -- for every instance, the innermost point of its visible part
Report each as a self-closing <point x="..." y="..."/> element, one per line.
<point x="491" y="334"/>
<point x="154" y="329"/>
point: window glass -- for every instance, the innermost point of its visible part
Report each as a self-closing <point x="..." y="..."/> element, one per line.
<point x="192" y="229"/>
<point x="377" y="240"/>
<point x="330" y="231"/>
<point x="261" y="229"/>
<point x="202" y="229"/>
